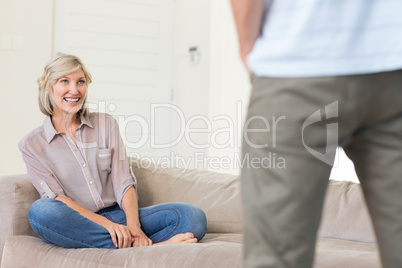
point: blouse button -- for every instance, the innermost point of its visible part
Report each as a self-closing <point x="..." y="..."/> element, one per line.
<point x="84" y="165"/>
<point x="91" y="182"/>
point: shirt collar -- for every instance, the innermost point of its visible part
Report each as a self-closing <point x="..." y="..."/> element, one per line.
<point x="50" y="131"/>
<point x="86" y="121"/>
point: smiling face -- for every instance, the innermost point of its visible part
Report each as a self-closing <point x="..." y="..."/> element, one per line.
<point x="69" y="93"/>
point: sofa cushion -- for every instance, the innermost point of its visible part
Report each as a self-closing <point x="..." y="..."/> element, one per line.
<point x="337" y="253"/>
<point x="216" y="250"/>
<point x="217" y="194"/>
<point x="345" y="214"/>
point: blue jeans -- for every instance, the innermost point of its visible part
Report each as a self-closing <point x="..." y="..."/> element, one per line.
<point x="58" y="224"/>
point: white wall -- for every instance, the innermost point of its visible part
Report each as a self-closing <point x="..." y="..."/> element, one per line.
<point x="191" y="79"/>
<point x="229" y="86"/>
<point x="215" y="87"/>
<point x="343" y="169"/>
<point x="19" y="69"/>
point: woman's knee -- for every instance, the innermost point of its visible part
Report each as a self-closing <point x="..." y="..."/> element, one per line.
<point x="44" y="209"/>
<point x="195" y="219"/>
<point x="201" y="223"/>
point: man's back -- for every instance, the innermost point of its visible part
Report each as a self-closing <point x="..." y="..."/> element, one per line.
<point x="305" y="38"/>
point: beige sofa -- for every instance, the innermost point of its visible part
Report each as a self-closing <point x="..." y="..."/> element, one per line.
<point x="346" y="237"/>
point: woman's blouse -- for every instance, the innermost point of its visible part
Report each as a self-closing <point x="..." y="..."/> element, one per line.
<point x="95" y="173"/>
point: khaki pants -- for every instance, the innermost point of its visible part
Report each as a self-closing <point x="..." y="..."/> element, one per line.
<point x="292" y="130"/>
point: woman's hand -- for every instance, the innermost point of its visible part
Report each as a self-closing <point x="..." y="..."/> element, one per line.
<point x="140" y="238"/>
<point x="122" y="236"/>
<point x="130" y="207"/>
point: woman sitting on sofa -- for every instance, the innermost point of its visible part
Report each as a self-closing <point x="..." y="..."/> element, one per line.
<point x="77" y="162"/>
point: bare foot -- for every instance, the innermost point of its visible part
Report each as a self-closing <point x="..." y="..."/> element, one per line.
<point x="180" y="239"/>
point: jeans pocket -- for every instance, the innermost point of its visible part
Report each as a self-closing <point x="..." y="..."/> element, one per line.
<point x="105" y="159"/>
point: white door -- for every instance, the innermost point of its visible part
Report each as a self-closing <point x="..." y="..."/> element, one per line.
<point x="127" y="45"/>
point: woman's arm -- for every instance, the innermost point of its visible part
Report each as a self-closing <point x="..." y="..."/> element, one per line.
<point x="122" y="237"/>
<point x="123" y="184"/>
<point x="130" y="207"/>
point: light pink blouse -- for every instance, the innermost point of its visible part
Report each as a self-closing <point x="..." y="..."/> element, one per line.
<point x="95" y="173"/>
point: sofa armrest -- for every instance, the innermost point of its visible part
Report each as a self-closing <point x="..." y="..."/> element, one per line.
<point x="16" y="195"/>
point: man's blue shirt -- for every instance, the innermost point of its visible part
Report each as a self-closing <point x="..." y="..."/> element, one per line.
<point x="309" y="38"/>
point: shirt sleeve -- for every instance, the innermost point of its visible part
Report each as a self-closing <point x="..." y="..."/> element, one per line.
<point x="41" y="178"/>
<point x="121" y="173"/>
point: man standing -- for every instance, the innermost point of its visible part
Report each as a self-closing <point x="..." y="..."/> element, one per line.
<point x="324" y="74"/>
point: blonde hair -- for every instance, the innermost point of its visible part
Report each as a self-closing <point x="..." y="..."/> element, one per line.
<point x="58" y="67"/>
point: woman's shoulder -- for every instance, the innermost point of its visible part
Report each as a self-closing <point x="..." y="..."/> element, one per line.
<point x="32" y="137"/>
